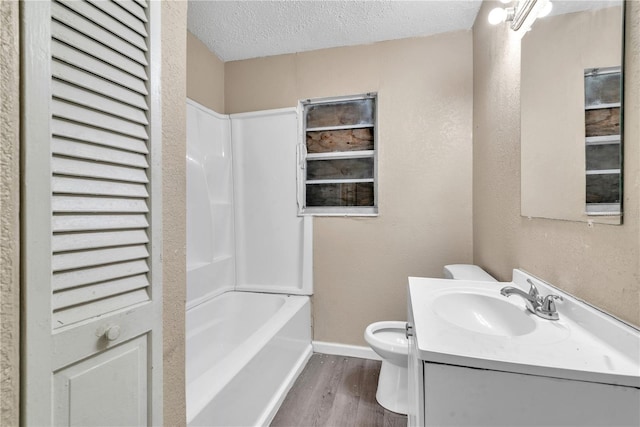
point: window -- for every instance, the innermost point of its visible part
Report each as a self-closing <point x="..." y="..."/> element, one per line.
<point x="602" y="143"/>
<point x="338" y="156"/>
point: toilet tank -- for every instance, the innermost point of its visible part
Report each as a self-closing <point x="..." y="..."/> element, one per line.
<point x="467" y="272"/>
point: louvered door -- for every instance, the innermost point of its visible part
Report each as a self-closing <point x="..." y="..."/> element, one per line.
<point x="91" y="235"/>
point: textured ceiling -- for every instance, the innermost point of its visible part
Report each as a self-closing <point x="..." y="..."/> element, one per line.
<point x="236" y="30"/>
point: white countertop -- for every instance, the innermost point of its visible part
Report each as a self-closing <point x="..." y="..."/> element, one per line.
<point x="584" y="344"/>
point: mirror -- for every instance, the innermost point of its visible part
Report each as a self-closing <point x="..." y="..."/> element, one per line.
<point x="571" y="102"/>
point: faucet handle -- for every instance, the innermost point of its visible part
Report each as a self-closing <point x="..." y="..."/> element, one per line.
<point x="533" y="291"/>
<point x="548" y="307"/>
<point x="548" y="304"/>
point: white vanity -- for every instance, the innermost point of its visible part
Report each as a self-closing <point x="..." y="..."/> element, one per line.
<point x="477" y="357"/>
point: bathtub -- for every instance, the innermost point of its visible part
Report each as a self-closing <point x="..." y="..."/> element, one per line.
<point x="243" y="352"/>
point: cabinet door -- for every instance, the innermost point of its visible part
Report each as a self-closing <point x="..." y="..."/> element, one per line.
<point x="415" y="381"/>
<point x="92" y="287"/>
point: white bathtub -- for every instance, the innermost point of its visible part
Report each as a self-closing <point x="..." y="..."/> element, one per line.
<point x="244" y="351"/>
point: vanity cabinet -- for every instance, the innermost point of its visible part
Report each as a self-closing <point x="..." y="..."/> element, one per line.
<point x="415" y="405"/>
<point x="449" y="395"/>
<point x="463" y="378"/>
<point x="462" y="396"/>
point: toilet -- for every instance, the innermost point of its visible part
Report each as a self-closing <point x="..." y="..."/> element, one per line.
<point x="388" y="340"/>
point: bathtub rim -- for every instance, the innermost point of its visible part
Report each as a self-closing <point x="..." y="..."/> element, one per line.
<point x="254" y="342"/>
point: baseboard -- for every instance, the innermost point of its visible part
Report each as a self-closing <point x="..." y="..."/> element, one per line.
<point x="344" y="350"/>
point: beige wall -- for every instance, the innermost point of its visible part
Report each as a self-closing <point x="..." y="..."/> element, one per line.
<point x="174" y="92"/>
<point x="205" y="75"/>
<point x="9" y="220"/>
<point x="599" y="263"/>
<point x="424" y="88"/>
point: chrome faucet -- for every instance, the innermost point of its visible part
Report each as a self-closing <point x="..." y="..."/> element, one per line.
<point x="542" y="307"/>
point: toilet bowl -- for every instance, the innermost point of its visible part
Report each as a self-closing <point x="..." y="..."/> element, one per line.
<point x="388" y="340"/>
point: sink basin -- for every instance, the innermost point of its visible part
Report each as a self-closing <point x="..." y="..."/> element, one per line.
<point x="483" y="313"/>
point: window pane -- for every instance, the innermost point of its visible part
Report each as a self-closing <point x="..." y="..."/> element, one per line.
<point x="603" y="188"/>
<point x="602" y="121"/>
<point x="352" y="194"/>
<point x="605" y="156"/>
<point x="340" y="140"/>
<point x="601" y="88"/>
<point x="340" y="169"/>
<point x="357" y="112"/>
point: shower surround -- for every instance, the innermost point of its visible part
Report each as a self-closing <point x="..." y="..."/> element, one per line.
<point x="249" y="266"/>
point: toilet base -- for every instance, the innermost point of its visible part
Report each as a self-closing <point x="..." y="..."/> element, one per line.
<point x="392" y="388"/>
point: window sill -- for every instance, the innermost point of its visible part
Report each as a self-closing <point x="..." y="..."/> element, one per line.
<point x="340" y="211"/>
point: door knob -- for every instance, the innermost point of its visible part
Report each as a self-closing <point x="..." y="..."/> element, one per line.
<point x="112" y="332"/>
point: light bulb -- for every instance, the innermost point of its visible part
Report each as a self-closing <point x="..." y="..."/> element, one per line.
<point x="545" y="10"/>
<point x="497" y="16"/>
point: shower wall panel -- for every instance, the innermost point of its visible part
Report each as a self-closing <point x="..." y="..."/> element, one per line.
<point x="210" y="235"/>
<point x="274" y="248"/>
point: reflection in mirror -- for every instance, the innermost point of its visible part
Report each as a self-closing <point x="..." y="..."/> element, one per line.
<point x="602" y="93"/>
<point x="571" y="86"/>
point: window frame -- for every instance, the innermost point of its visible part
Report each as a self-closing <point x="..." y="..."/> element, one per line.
<point x="303" y="156"/>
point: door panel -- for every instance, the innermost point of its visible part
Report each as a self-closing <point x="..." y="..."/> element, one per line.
<point x="92" y="229"/>
<point x="106" y="389"/>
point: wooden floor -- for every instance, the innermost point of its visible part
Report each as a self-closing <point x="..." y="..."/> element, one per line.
<point x="336" y="391"/>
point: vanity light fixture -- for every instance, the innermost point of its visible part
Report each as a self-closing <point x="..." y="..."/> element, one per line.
<point x="522" y="15"/>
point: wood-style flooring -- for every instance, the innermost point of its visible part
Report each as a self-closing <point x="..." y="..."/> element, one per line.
<point x="336" y="391"/>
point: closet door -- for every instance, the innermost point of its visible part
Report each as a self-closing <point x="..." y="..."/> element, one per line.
<point x="92" y="338"/>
